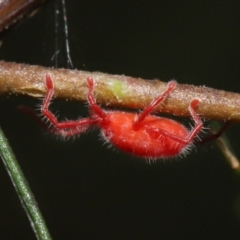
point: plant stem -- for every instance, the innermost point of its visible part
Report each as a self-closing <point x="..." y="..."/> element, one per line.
<point x="23" y="190"/>
<point x="119" y="91"/>
<point x="224" y="145"/>
<point x="11" y="11"/>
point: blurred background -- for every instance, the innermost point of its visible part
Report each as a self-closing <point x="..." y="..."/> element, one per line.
<point x="84" y="189"/>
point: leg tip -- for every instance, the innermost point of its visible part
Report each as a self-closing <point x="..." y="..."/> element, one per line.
<point x="194" y="103"/>
<point x="49" y="82"/>
<point x="90" y="82"/>
<point x="172" y="84"/>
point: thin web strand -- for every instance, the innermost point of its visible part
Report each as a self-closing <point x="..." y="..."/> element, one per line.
<point x="69" y="60"/>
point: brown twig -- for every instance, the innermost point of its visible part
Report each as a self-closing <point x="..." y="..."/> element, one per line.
<point x="13" y="10"/>
<point x="229" y="155"/>
<point x="115" y="90"/>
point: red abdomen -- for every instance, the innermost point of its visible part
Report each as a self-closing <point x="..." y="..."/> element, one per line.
<point x="145" y="140"/>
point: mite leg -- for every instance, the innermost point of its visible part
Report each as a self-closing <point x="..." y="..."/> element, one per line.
<point x="170" y="87"/>
<point x="192" y="134"/>
<point x="64" y="128"/>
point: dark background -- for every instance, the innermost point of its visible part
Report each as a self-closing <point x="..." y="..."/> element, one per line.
<point x="85" y="190"/>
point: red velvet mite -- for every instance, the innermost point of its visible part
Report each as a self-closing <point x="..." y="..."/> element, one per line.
<point x="143" y="135"/>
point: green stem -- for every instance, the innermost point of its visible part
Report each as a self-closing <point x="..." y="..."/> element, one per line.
<point x="23" y="190"/>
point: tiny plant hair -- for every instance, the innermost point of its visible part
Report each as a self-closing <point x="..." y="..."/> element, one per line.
<point x="143" y="135"/>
